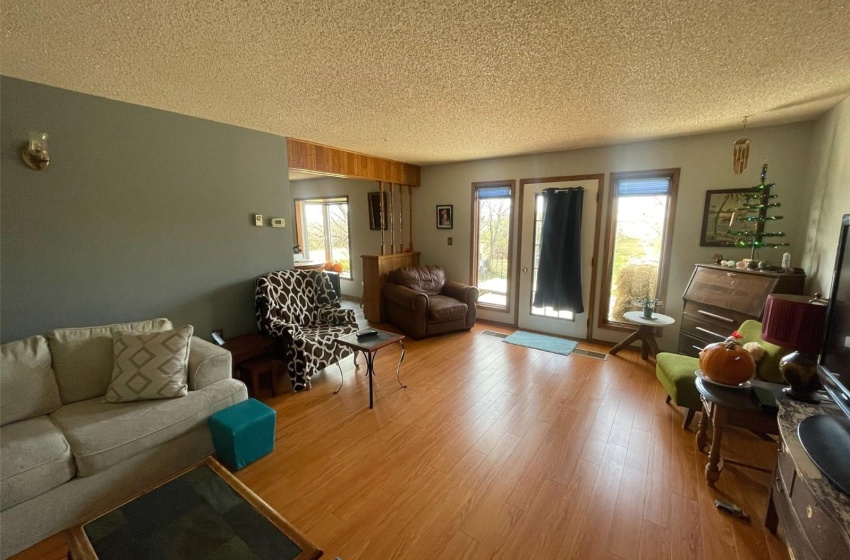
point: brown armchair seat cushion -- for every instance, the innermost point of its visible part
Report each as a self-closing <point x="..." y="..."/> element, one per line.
<point x="443" y="308"/>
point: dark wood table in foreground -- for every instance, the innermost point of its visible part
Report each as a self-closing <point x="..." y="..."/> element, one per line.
<point x="200" y="512"/>
<point x="725" y="406"/>
<point x="370" y="346"/>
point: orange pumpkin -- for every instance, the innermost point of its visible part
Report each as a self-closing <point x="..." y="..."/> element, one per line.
<point x="337" y="267"/>
<point x="329" y="265"/>
<point x="727" y="362"/>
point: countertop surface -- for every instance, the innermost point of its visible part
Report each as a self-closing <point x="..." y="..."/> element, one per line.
<point x="832" y="500"/>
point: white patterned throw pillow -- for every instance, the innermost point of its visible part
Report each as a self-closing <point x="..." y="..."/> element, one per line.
<point x="150" y="365"/>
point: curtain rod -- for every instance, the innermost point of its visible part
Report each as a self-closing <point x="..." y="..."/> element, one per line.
<point x="553" y="189"/>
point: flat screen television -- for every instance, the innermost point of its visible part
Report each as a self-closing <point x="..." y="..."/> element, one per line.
<point x="834" y="361"/>
<point x="826" y="438"/>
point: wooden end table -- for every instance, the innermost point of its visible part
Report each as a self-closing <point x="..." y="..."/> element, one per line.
<point x="255" y="355"/>
<point x="644" y="332"/>
<point x="727" y="406"/>
<point x="370" y="346"/>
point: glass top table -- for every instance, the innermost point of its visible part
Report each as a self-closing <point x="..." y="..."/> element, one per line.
<point x="202" y="513"/>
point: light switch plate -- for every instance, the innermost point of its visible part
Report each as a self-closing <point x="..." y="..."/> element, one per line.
<point x="450" y="240"/>
<point x="258" y="219"/>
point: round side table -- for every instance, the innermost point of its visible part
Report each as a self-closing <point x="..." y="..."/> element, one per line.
<point x="732" y="406"/>
<point x="644" y="333"/>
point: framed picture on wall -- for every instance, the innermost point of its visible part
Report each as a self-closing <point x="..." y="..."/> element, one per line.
<point x="445" y="217"/>
<point x="723" y="208"/>
<point x="376" y="219"/>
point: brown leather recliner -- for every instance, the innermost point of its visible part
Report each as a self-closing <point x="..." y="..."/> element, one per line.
<point x="421" y="302"/>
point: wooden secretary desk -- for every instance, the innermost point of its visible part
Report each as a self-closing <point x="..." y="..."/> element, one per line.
<point x="718" y="299"/>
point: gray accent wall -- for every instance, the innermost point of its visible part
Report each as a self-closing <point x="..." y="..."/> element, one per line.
<point x="141" y="213"/>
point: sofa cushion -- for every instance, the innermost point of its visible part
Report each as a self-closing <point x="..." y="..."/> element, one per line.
<point x="34" y="457"/>
<point x="102" y="434"/>
<point x="426" y="279"/>
<point x="150" y="365"/>
<point x="83" y="357"/>
<point x="27" y="384"/>
<point x="442" y="309"/>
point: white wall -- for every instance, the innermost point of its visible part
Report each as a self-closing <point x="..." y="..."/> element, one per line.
<point x="829" y="182"/>
<point x="364" y="241"/>
<point x="705" y="162"/>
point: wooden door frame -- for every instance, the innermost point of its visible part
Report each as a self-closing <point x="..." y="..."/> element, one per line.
<point x="663" y="272"/>
<point x="473" y="274"/>
<point x="600" y="177"/>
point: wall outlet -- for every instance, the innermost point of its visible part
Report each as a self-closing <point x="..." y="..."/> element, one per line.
<point x="258" y="220"/>
<point x="450" y="240"/>
<point x="278" y="222"/>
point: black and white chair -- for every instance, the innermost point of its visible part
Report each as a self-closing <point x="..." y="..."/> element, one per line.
<point x="302" y="309"/>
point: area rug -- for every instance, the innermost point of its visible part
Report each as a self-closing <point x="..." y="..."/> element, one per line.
<point x="542" y="342"/>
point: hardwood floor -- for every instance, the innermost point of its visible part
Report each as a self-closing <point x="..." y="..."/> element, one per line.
<point x="500" y="451"/>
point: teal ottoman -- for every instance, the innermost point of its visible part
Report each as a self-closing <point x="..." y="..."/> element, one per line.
<point x="243" y="433"/>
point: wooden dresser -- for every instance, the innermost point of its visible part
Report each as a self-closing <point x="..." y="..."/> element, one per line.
<point x="375" y="269"/>
<point x="718" y="299"/>
<point x="814" y="514"/>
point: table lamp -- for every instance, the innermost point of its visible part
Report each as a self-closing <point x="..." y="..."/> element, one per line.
<point x="797" y="322"/>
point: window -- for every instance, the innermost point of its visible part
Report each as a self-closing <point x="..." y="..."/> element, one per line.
<point x="322" y="231"/>
<point x="492" y="219"/>
<point x="637" y="248"/>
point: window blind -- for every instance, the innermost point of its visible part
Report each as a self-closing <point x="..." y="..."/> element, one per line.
<point x="648" y="186"/>
<point x="494" y="192"/>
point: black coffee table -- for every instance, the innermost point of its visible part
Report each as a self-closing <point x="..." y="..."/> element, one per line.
<point x="202" y="512"/>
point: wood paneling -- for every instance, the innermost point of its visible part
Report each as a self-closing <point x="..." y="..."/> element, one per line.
<point x="327" y="160"/>
<point x="375" y="269"/>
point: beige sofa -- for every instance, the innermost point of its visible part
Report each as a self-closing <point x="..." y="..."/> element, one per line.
<point x="66" y="453"/>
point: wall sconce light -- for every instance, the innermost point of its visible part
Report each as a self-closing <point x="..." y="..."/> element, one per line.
<point x="35" y="153"/>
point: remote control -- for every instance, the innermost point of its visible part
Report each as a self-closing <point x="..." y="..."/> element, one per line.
<point x="731" y="509"/>
<point x="366" y="333"/>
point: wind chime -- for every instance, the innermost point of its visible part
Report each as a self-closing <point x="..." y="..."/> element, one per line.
<point x="740" y="152"/>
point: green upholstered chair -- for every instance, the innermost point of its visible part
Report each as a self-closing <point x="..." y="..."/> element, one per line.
<point x="676" y="372"/>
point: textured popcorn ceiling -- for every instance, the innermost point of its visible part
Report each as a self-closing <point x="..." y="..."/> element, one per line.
<point x="436" y="81"/>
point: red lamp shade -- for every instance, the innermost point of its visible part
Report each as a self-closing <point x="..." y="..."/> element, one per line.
<point x="795" y="322"/>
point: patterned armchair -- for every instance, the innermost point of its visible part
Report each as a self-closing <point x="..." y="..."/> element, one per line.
<point x="301" y="308"/>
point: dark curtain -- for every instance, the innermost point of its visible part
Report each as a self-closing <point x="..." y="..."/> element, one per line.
<point x="559" y="270"/>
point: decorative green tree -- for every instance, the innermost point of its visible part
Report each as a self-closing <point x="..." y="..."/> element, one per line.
<point x="757" y="202"/>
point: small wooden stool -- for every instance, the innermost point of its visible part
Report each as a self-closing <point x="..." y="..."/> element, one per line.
<point x="254" y="355"/>
<point x="255" y="367"/>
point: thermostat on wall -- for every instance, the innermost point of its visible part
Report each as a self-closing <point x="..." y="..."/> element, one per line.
<point x="278" y="222"/>
<point x="258" y="220"/>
